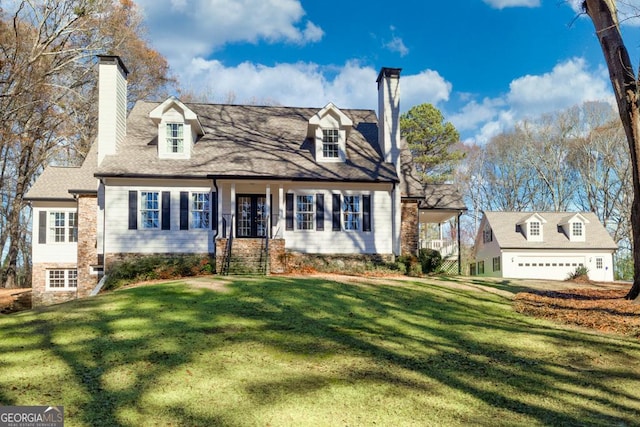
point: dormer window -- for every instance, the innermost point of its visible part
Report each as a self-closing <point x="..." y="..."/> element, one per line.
<point x="178" y="129"/>
<point x="576" y="229"/>
<point x="329" y="130"/>
<point x="534" y="228"/>
<point x="175" y="138"/>
<point x="330" y="143"/>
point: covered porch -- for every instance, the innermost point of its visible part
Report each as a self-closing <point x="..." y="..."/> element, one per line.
<point x="431" y="220"/>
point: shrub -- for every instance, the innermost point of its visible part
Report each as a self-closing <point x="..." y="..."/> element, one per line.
<point x="412" y="265"/>
<point x="430" y="260"/>
<point x="580" y="271"/>
<point x="156" y="267"/>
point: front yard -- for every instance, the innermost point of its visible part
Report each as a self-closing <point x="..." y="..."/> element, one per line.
<point x="238" y="351"/>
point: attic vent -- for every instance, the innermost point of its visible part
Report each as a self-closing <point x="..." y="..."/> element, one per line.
<point x="518" y="228"/>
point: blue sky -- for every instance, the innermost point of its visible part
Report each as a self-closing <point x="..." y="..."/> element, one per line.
<point x="486" y="64"/>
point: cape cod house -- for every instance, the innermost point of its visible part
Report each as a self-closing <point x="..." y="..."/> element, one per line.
<point x="543" y="245"/>
<point x="178" y="178"/>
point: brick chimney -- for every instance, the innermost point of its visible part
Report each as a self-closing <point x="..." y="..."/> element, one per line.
<point x="389" y="114"/>
<point x="112" y="104"/>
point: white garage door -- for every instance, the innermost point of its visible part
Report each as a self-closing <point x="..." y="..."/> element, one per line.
<point x="555" y="268"/>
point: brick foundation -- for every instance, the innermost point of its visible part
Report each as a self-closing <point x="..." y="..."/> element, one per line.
<point x="112" y="258"/>
<point x="40" y="295"/>
<point x="337" y="263"/>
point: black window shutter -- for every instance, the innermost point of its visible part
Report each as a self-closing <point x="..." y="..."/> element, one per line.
<point x="335" y="212"/>
<point x="289" y="211"/>
<point x="133" y="210"/>
<point x="214" y="211"/>
<point x="184" y="210"/>
<point x="366" y="212"/>
<point x="319" y="212"/>
<point x="166" y="210"/>
<point x="42" y="227"/>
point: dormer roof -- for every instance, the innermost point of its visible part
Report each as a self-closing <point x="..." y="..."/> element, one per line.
<point x="573" y="218"/>
<point x="329" y="110"/>
<point x="172" y="102"/>
<point x="532" y="217"/>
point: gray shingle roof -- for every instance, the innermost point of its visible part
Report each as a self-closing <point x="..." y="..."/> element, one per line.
<point x="56" y="182"/>
<point x="250" y="142"/>
<point x="442" y="196"/>
<point x="503" y="225"/>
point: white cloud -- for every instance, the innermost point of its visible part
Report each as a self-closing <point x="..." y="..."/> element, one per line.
<point x="501" y="4"/>
<point x="183" y="30"/>
<point x="306" y="84"/>
<point x="569" y="83"/>
<point x="397" y="45"/>
<point x="426" y="87"/>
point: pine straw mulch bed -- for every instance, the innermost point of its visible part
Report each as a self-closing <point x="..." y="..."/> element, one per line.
<point x="604" y="310"/>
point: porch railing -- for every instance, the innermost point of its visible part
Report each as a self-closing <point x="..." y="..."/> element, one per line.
<point x="447" y="248"/>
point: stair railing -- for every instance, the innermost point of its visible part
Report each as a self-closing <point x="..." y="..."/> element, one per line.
<point x="226" y="261"/>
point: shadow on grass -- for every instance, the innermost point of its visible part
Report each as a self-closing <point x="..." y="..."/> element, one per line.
<point x="120" y="351"/>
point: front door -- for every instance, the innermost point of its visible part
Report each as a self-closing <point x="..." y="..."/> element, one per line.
<point x="251" y="215"/>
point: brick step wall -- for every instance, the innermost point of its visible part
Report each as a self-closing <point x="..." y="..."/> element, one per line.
<point x="247" y="256"/>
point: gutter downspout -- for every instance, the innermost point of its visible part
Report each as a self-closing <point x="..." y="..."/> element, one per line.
<point x="103" y="279"/>
<point x="215" y="234"/>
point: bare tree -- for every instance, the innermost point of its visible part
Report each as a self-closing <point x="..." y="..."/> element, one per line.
<point x="48" y="94"/>
<point x="604" y="16"/>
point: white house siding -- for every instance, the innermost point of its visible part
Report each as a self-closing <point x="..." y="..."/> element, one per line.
<point x="52" y="252"/>
<point x="119" y="239"/>
<point x="377" y="241"/>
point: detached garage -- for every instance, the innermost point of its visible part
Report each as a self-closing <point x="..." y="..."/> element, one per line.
<point x="543" y="245"/>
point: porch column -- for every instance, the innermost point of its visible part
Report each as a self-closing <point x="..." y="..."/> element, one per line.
<point x="267" y="193"/>
<point x="233" y="206"/>
<point x="280" y="211"/>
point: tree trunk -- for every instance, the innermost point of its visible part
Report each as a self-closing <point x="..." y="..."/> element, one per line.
<point x="604" y="15"/>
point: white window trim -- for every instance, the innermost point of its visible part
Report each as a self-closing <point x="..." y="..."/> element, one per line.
<point x="336" y="143"/>
<point x="67" y="229"/>
<point x="573" y="229"/>
<point x="168" y="139"/>
<point x="141" y="221"/>
<point x="192" y="210"/>
<point x="342" y="213"/>
<point x="67" y="272"/>
<point x="538" y="230"/>
<point x="312" y="212"/>
<point x="599" y="263"/>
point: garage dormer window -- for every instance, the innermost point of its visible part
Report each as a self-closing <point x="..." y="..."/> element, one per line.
<point x="534" y="228"/>
<point x="330" y="143"/>
<point x="175" y="138"/>
<point x="576" y="229"/>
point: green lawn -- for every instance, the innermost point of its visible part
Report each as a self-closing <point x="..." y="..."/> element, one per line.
<point x="287" y="351"/>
